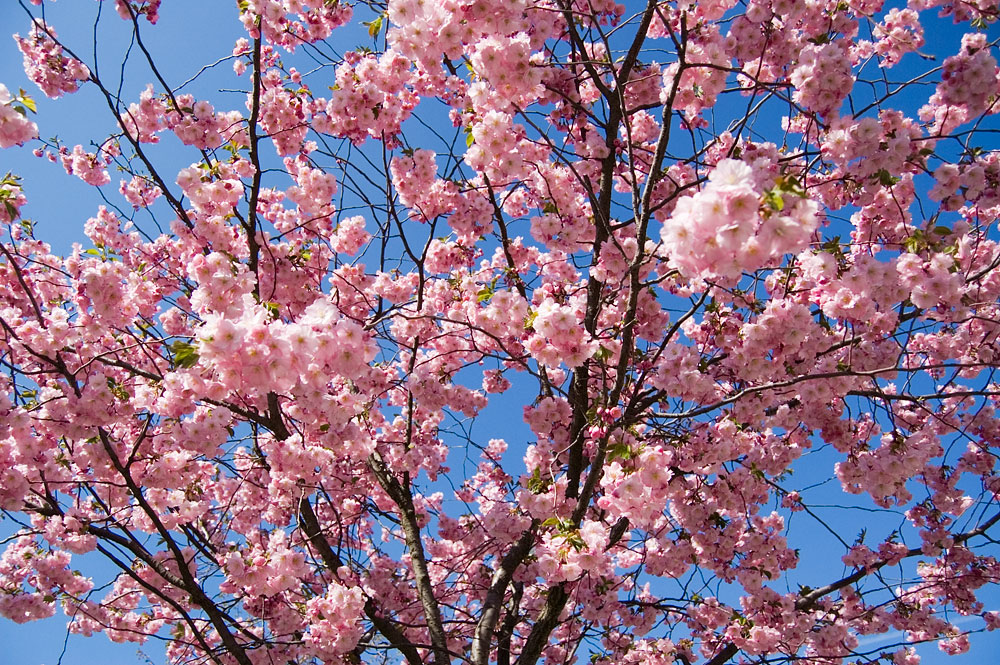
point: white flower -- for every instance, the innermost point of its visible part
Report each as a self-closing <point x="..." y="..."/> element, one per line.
<point x="731" y="173"/>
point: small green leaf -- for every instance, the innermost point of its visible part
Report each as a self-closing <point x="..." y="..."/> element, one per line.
<point x="28" y="102"/>
<point x="272" y="308"/>
<point x="886" y="179"/>
<point x="914" y="243"/>
<point x="185" y="353"/>
<point x="529" y="320"/>
<point x="537" y="484"/>
<point x="620" y="451"/>
<point x="117" y="390"/>
<point x="774" y="200"/>
<point x="374" y="26"/>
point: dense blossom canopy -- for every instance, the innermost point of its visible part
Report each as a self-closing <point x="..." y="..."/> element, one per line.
<point x="734" y="264"/>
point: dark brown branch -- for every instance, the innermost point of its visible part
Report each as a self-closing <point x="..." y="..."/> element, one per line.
<point x="251" y="223"/>
<point x="483" y="638"/>
<point x="187" y="581"/>
<point x="388" y="628"/>
<point x="400" y="494"/>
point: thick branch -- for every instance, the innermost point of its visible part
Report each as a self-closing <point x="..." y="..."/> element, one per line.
<point x="251" y="223"/>
<point x="494" y="597"/>
<point x="189" y="583"/>
<point x="389" y="630"/>
<point x="418" y="560"/>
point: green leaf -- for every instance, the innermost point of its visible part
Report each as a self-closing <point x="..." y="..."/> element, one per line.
<point x="576" y="541"/>
<point x="117" y="390"/>
<point x="537" y="484"/>
<point x="620" y="451"/>
<point x="374" y="26"/>
<point x="272" y="308"/>
<point x="915" y="243"/>
<point x="28" y="102"/>
<point x="774" y="200"/>
<point x="529" y="320"/>
<point x="886" y="179"/>
<point x="185" y="353"/>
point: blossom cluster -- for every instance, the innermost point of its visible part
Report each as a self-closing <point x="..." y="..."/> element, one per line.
<point x="371" y="98"/>
<point x="724" y="229"/>
<point x="969" y="81"/>
<point x="559" y="335"/>
<point x="314" y="20"/>
<point x="15" y="128"/>
<point x="54" y="72"/>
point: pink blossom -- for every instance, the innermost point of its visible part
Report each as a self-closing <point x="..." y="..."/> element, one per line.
<point x="15" y="128"/>
<point x="45" y="64"/>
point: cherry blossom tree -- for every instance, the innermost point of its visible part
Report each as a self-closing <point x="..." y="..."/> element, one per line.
<point x="735" y="265"/>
